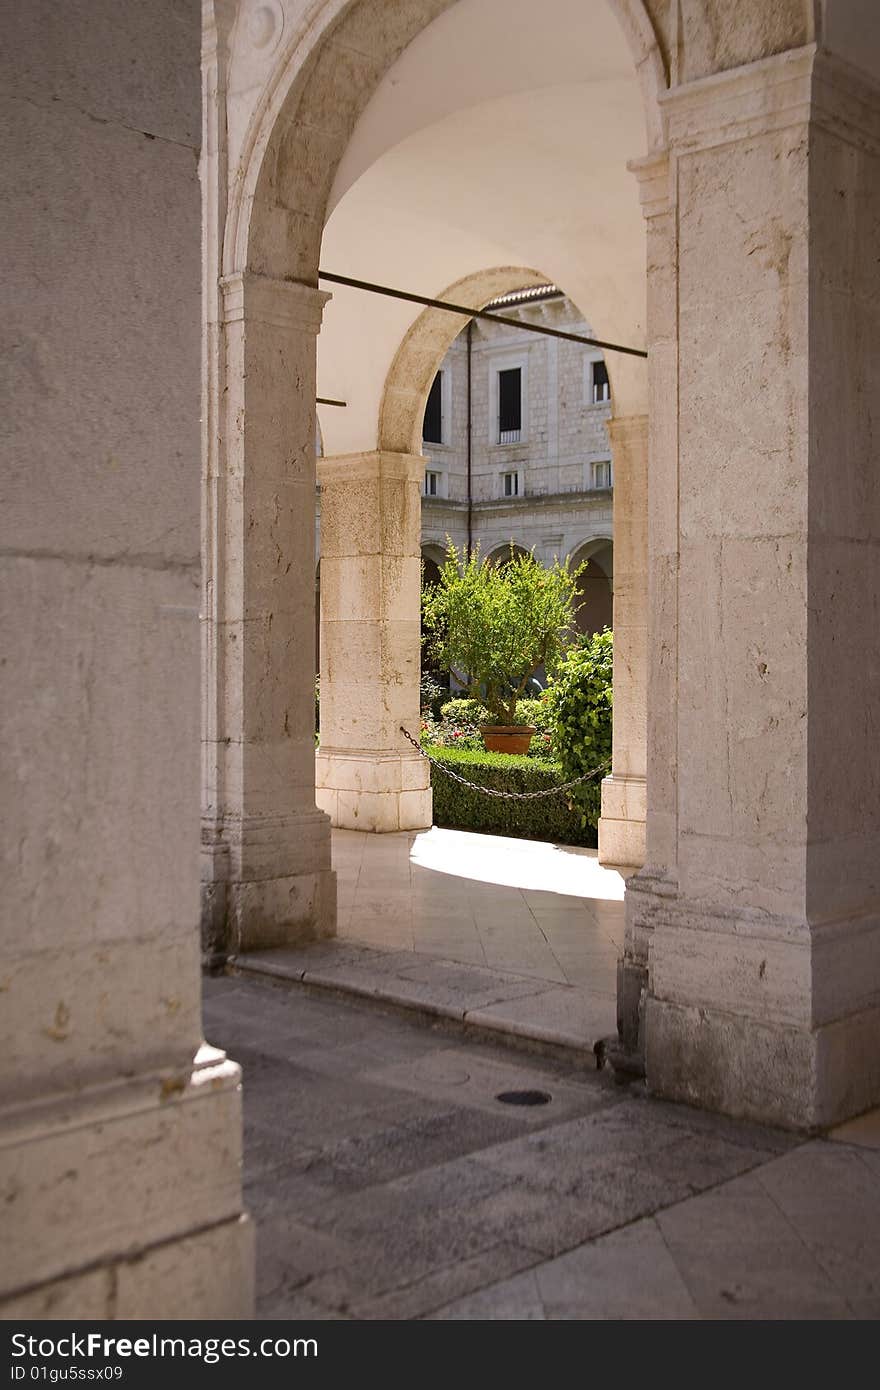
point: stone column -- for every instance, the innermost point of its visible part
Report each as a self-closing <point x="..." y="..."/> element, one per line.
<point x="759" y="903"/>
<point x="120" y="1132"/>
<point x="658" y="590"/>
<point x="368" y="776"/>
<point x="266" y="846"/>
<point x="622" y="823"/>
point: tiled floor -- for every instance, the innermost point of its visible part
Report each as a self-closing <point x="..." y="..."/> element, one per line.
<point x="387" y="1180"/>
<point x="536" y="910"/>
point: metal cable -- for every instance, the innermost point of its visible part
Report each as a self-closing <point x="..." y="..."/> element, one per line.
<point x="493" y="791"/>
<point x="467" y="313"/>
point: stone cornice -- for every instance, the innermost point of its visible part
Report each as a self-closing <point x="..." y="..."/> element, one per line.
<point x="805" y="87"/>
<point x="518" y="505"/>
<point x="283" y="304"/>
<point x="771" y="94"/>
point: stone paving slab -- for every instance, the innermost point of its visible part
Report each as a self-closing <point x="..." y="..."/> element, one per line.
<point x="386" y="1180"/>
<point x="514" y="906"/>
<point x="565" y="1016"/>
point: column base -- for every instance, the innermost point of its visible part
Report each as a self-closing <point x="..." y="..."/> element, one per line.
<point x="622" y="824"/>
<point x="800" y="1078"/>
<point x="757" y="1014"/>
<point x="379" y="792"/>
<point x="126" y="1200"/>
<point x="279" y="888"/>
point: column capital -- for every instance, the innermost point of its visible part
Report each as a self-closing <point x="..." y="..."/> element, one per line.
<point x="279" y="303"/>
<point x="654" y="174"/>
<point x="770" y="94"/>
<point x="379" y="465"/>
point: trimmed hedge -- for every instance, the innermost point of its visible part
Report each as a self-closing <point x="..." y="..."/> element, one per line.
<point x="460" y="808"/>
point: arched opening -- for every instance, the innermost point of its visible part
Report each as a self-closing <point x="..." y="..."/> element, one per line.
<point x="403" y="155"/>
<point x="432" y="558"/>
<point x="596" y="584"/>
<point x="503" y="554"/>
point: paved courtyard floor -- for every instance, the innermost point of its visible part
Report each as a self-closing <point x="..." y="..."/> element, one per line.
<point x="388" y="1181"/>
<point x="502" y="935"/>
<point x="542" y="910"/>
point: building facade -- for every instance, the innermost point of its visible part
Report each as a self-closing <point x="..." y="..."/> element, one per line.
<point x="516" y="442"/>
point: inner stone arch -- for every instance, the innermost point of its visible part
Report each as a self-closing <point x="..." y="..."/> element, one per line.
<point x="425" y="345"/>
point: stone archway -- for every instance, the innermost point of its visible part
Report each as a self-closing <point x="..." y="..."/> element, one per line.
<point x="266" y="847"/>
<point x="718" y="845"/>
<point x="426" y="344"/>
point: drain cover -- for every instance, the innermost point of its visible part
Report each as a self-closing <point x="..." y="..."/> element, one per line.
<point x="524" y="1097"/>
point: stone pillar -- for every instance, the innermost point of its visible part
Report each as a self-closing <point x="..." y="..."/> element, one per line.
<point x="120" y="1133"/>
<point x="368" y="776"/>
<point x="622" y="823"/>
<point x="658" y="591"/>
<point x="266" y="847"/>
<point x="758" y="908"/>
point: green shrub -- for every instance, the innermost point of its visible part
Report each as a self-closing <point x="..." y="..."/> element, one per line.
<point x="495" y="625"/>
<point x="579" y="698"/>
<point x="538" y="713"/>
<point x="462" y="712"/>
<point x="460" y="721"/>
<point x="460" y="808"/>
<point x="471" y="712"/>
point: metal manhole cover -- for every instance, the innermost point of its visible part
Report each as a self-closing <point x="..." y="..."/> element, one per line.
<point x="524" y="1097"/>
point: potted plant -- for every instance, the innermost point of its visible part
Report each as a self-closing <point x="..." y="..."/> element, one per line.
<point x="494" y="626"/>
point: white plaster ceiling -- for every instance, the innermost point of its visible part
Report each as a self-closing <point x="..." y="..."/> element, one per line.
<point x="499" y="137"/>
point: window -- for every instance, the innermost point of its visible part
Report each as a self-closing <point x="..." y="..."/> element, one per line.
<point x="432" y="426"/>
<point x="600" y="473"/>
<point x="510" y="406"/>
<point x="600" y="387"/>
<point x="510" y="484"/>
<point x="432" y="484"/>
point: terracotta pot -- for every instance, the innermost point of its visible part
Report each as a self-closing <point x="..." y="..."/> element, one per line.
<point x="507" y="738"/>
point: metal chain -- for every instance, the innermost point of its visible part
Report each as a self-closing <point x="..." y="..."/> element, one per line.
<point x="493" y="791"/>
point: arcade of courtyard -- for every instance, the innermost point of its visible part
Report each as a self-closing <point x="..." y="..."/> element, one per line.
<point x="702" y="180"/>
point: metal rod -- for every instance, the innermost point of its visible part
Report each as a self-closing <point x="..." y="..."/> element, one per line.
<point x="477" y="313"/>
<point x="325" y="400"/>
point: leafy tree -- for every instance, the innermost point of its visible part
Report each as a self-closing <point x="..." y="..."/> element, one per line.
<point x="496" y="625"/>
<point x="579" y="697"/>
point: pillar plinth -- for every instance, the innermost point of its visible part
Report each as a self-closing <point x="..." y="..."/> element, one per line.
<point x="368" y="777"/>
